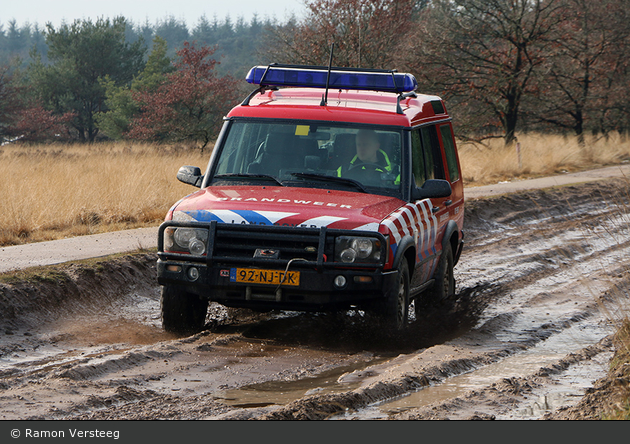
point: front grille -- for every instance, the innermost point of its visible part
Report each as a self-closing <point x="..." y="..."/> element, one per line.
<point x="236" y="241"/>
<point x="241" y="241"/>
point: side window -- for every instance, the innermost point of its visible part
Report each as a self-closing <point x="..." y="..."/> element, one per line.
<point x="432" y="153"/>
<point x="449" y="151"/>
<point x="417" y="159"/>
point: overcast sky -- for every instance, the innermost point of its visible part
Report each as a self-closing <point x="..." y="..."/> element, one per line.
<point x="138" y="11"/>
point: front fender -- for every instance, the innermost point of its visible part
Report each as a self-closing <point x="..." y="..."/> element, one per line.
<point x="405" y="243"/>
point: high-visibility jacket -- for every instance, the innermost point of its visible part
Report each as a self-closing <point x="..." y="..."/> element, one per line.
<point x="383" y="160"/>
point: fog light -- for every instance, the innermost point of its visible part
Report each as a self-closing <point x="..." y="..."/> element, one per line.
<point x="340" y="281"/>
<point x="193" y="274"/>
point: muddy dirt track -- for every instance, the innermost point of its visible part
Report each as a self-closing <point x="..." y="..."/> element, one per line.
<point x="541" y="283"/>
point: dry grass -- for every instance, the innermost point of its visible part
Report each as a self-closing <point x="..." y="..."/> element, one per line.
<point x="55" y="191"/>
<point x="541" y="155"/>
<point x="620" y="371"/>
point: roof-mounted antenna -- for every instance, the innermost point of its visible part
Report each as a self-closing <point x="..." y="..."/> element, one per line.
<point x="325" y="96"/>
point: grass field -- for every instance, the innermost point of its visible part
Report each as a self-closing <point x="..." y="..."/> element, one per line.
<point x="55" y="191"/>
<point x="541" y="155"/>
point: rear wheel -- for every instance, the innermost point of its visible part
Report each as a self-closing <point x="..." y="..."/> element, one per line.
<point x="182" y="312"/>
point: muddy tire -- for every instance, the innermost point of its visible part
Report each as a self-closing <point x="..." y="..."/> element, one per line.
<point x="395" y="312"/>
<point x="444" y="287"/>
<point x="182" y="312"/>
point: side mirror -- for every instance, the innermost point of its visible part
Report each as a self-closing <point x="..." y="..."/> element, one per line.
<point x="432" y="188"/>
<point x="190" y="175"/>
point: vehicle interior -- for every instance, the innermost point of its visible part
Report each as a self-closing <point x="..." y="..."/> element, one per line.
<point x="292" y="153"/>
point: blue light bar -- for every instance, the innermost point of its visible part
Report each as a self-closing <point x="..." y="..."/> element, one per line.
<point x="340" y="78"/>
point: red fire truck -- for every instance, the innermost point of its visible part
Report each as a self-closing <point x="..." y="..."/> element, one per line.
<point x="327" y="189"/>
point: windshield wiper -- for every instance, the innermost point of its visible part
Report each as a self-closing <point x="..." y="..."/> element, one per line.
<point x="248" y="176"/>
<point x="325" y="178"/>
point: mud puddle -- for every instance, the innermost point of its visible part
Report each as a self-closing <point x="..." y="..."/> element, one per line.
<point x="280" y="392"/>
<point x="564" y="391"/>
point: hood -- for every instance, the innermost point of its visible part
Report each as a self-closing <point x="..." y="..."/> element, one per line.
<point x="287" y="206"/>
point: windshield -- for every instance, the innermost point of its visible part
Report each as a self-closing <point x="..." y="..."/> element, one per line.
<point x="320" y="154"/>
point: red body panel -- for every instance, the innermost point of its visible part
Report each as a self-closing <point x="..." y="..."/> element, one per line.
<point x="316" y="207"/>
<point x="366" y="107"/>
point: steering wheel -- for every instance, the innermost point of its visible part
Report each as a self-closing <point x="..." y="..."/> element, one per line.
<point x="371" y="166"/>
<point x="366" y="173"/>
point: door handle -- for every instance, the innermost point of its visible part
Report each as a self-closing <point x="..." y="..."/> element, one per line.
<point x="448" y="202"/>
<point x="435" y="209"/>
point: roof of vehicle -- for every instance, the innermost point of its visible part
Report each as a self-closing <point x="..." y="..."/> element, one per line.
<point x="369" y="107"/>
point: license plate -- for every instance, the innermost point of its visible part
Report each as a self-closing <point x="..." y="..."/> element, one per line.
<point x="272" y="277"/>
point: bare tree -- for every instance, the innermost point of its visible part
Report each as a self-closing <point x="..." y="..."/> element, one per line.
<point x="366" y="33"/>
<point x="483" y="54"/>
<point x="586" y="64"/>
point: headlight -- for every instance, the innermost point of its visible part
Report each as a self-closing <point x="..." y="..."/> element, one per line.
<point x="196" y="246"/>
<point x="363" y="247"/>
<point x="186" y="240"/>
<point x="357" y="249"/>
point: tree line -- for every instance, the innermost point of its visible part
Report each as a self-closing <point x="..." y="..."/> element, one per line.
<point x="111" y="79"/>
<point x="237" y="39"/>
<point x="503" y="66"/>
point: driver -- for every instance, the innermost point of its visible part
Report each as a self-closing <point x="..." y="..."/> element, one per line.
<point x="368" y="152"/>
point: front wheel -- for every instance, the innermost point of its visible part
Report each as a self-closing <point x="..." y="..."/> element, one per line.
<point x="395" y="313"/>
<point x="444" y="287"/>
<point x="182" y="312"/>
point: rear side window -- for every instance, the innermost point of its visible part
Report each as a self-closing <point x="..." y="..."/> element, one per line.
<point x="449" y="151"/>
<point x="432" y="153"/>
<point x="417" y="159"/>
